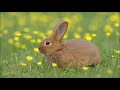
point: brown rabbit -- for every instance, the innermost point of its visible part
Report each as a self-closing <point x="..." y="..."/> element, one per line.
<point x="76" y="52"/>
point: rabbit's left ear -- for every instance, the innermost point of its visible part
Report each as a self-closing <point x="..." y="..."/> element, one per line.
<point x="60" y="29"/>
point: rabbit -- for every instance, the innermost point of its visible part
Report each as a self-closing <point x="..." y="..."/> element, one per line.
<point x="74" y="53"/>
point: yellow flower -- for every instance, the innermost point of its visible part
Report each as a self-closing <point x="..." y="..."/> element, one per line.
<point x="36" y="50"/>
<point x="23" y="64"/>
<point x="118" y="66"/>
<point x="17" y="44"/>
<point x="23" y="46"/>
<point x="5" y="32"/>
<point x="93" y="35"/>
<point x="41" y="34"/>
<point x="16" y="38"/>
<point x="116" y="24"/>
<point x="109" y="71"/>
<point x="33" y="40"/>
<point x="54" y="64"/>
<point x="49" y="32"/>
<point x="76" y="35"/>
<point x="87" y="36"/>
<point x="10" y="41"/>
<point x="26" y="36"/>
<point x="29" y="58"/>
<point x="108" y="28"/>
<point x="113" y="56"/>
<point x="39" y="63"/>
<point x="17" y="33"/>
<point x="107" y="34"/>
<point x="38" y="40"/>
<point x="35" y="32"/>
<point x="117" y="51"/>
<point x="85" y="68"/>
<point x="26" y="30"/>
<point x="114" y="18"/>
<point x="65" y="36"/>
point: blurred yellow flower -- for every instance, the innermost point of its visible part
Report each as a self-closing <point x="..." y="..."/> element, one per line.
<point x="26" y="36"/>
<point x="54" y="64"/>
<point x="26" y="30"/>
<point x="76" y="35"/>
<point x="88" y="37"/>
<point x="117" y="24"/>
<point x="10" y="41"/>
<point x="39" y="63"/>
<point x="49" y="32"/>
<point x="109" y="71"/>
<point x="114" y="18"/>
<point x="85" y="68"/>
<point x="16" y="38"/>
<point x="38" y="40"/>
<point x="112" y="56"/>
<point x="41" y="34"/>
<point x="108" y="28"/>
<point x="23" y="46"/>
<point x="29" y="58"/>
<point x="117" y="51"/>
<point x="107" y="34"/>
<point x="5" y="32"/>
<point x="21" y="21"/>
<point x="35" y="32"/>
<point x="23" y="64"/>
<point x="66" y="36"/>
<point x="36" y="50"/>
<point x="33" y="40"/>
<point x="118" y="66"/>
<point x="17" y="44"/>
<point x="17" y="33"/>
<point x="93" y="35"/>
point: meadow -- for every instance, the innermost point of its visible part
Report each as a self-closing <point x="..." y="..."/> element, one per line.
<point x="22" y="32"/>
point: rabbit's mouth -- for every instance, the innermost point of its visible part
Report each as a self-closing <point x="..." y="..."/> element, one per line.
<point x="42" y="50"/>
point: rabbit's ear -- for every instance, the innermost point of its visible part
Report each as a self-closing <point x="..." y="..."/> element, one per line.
<point x="60" y="29"/>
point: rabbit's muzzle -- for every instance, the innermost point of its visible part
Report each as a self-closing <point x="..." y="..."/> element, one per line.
<point x="42" y="50"/>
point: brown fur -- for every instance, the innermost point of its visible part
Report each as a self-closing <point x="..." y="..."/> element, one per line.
<point x="76" y="52"/>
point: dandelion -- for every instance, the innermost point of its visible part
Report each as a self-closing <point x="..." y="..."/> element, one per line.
<point x="93" y="35"/>
<point x="85" y="68"/>
<point x="35" y="32"/>
<point x="39" y="63"/>
<point x="23" y="64"/>
<point x="107" y="34"/>
<point x="41" y="34"/>
<point x="112" y="56"/>
<point x="49" y="32"/>
<point x="54" y="64"/>
<point x="114" y="18"/>
<point x="118" y="66"/>
<point x="36" y="50"/>
<point x="29" y="58"/>
<point x="117" y="51"/>
<point x="16" y="38"/>
<point x="17" y="33"/>
<point x="33" y="40"/>
<point x="10" y="41"/>
<point x="26" y="30"/>
<point x="87" y="36"/>
<point x="26" y="36"/>
<point x="38" y="40"/>
<point x="108" y="28"/>
<point x="116" y="25"/>
<point x="76" y="35"/>
<point x="23" y="46"/>
<point x="109" y="71"/>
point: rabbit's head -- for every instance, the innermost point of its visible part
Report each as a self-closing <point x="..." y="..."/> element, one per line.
<point x="54" y="42"/>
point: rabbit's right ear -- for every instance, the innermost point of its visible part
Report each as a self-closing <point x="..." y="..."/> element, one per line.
<point x="60" y="29"/>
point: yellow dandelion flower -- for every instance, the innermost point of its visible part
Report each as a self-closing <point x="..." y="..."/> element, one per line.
<point x="85" y="68"/>
<point x="16" y="38"/>
<point x="109" y="71"/>
<point x="17" y="44"/>
<point x="88" y="37"/>
<point x="41" y="34"/>
<point x="54" y="64"/>
<point x="114" y="18"/>
<point x="93" y="35"/>
<point x="36" y="50"/>
<point x="108" y="28"/>
<point x="28" y="37"/>
<point x="118" y="66"/>
<point x="112" y="56"/>
<point x="76" y="35"/>
<point x="23" y="64"/>
<point x="23" y="46"/>
<point x="107" y="34"/>
<point x="116" y="24"/>
<point x="29" y="58"/>
<point x="35" y="32"/>
<point x="39" y="63"/>
<point x="117" y="51"/>
<point x="33" y="40"/>
<point x="49" y="32"/>
<point x="17" y="33"/>
<point x="10" y="41"/>
<point x="38" y="40"/>
<point x="5" y="32"/>
<point x="26" y="30"/>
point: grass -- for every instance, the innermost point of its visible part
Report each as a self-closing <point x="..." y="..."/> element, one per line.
<point x="13" y="51"/>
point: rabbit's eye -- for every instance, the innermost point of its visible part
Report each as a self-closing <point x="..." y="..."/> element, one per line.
<point x="47" y="43"/>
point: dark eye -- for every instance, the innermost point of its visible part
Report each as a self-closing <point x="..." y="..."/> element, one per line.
<point x="47" y="43"/>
